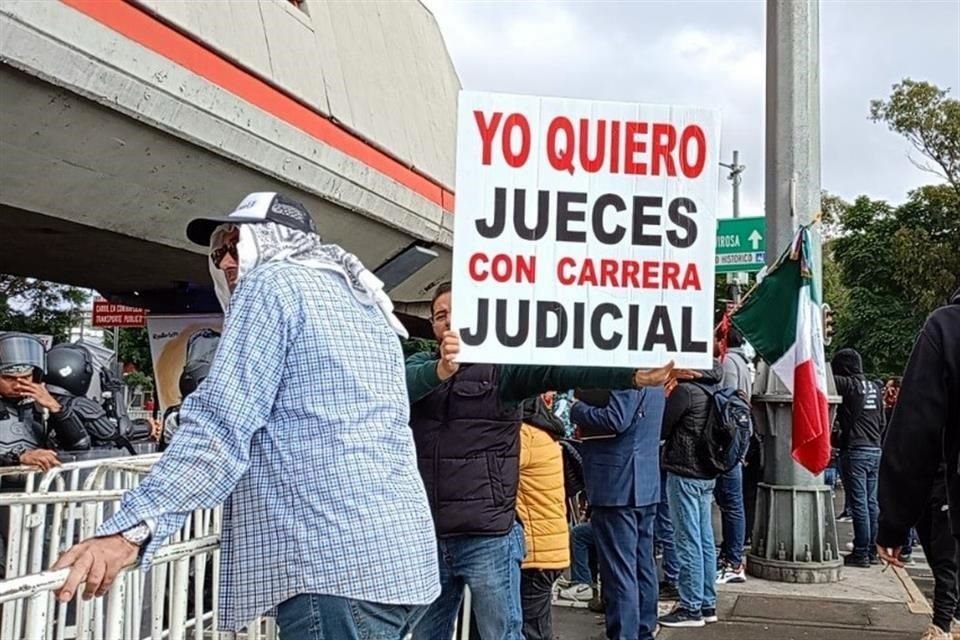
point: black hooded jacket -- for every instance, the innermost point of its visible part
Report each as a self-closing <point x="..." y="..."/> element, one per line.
<point x="924" y="430"/>
<point x="684" y="422"/>
<point x="861" y="414"/>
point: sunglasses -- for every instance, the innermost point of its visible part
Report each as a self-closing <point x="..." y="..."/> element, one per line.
<point x="218" y="254"/>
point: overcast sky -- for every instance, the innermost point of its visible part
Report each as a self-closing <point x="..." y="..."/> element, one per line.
<point x="711" y="53"/>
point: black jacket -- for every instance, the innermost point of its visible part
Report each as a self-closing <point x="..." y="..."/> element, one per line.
<point x="861" y="414"/>
<point x="468" y="452"/>
<point x="684" y="422"/>
<point x="925" y="428"/>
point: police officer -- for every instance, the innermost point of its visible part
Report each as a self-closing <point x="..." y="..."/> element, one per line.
<point x="69" y="374"/>
<point x="23" y="438"/>
<point x="201" y="349"/>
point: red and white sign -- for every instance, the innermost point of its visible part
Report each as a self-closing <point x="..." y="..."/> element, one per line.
<point x="108" y="315"/>
<point x="584" y="232"/>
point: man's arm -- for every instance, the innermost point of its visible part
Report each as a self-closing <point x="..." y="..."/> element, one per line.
<point x="731" y="374"/>
<point x="519" y="382"/>
<point x="422" y="375"/>
<point x="913" y="448"/>
<point x="220" y="418"/>
<point x="612" y="419"/>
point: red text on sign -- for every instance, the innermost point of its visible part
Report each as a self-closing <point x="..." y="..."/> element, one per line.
<point x="645" y="148"/>
<point x="502" y="268"/>
<point x="515" y="125"/>
<point x="628" y="273"/>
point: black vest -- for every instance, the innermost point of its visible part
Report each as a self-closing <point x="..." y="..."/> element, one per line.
<point x="468" y="451"/>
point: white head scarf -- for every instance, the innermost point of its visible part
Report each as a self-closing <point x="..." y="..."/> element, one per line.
<point x="261" y="243"/>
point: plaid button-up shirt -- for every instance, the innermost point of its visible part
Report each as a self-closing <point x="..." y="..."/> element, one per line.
<point x="302" y="429"/>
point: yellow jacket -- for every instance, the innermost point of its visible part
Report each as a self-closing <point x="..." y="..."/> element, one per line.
<point x="541" y="501"/>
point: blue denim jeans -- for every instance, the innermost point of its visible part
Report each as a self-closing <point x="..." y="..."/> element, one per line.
<point x="583" y="542"/>
<point x="729" y="496"/>
<point x="690" y="509"/>
<point x="318" y="617"/>
<point x="490" y="566"/>
<point x="861" y="467"/>
<point x="663" y="535"/>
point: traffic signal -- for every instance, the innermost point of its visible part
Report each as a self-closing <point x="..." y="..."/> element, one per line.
<point x="828" y="328"/>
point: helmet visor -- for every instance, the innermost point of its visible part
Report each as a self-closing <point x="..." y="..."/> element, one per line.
<point x="21" y="354"/>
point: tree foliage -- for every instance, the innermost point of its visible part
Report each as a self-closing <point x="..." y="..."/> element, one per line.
<point x="889" y="269"/>
<point x="35" y="306"/>
<point x="930" y="120"/>
<point x="134" y="348"/>
<point x="886" y="268"/>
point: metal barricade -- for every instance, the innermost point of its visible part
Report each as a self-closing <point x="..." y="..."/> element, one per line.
<point x="56" y="509"/>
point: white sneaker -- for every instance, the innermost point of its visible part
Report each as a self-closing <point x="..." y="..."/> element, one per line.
<point x="577" y="593"/>
<point x="934" y="632"/>
<point x="731" y="575"/>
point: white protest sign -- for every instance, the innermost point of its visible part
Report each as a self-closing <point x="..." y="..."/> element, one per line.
<point x="584" y="232"/>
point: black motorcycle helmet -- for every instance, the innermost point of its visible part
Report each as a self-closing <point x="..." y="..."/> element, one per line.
<point x="69" y="370"/>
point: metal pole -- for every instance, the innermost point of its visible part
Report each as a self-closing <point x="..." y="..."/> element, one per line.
<point x="795" y="531"/>
<point x="735" y="177"/>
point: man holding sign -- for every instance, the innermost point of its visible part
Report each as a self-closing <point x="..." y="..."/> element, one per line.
<point x="466" y="425"/>
<point x="584" y="236"/>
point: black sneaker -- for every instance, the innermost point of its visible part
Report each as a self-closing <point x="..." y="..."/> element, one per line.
<point x="682" y="618"/>
<point x="668" y="591"/>
<point x="709" y="615"/>
<point x="856" y="561"/>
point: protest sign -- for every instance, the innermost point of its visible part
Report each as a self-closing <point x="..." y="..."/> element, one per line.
<point x="584" y="232"/>
<point x="173" y="341"/>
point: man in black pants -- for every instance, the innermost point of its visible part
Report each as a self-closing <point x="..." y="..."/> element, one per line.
<point x="941" y="551"/>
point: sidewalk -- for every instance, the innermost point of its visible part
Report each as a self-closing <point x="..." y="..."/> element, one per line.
<point x="866" y="604"/>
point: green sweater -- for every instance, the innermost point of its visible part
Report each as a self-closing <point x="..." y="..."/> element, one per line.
<point x="519" y="382"/>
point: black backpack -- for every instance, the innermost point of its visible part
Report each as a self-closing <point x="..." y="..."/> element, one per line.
<point x="726" y="439"/>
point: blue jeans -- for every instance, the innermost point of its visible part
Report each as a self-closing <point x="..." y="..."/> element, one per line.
<point x="690" y="501"/>
<point x="583" y="542"/>
<point x="663" y="535"/>
<point x="490" y="566"/>
<point x="861" y="467"/>
<point x="729" y="496"/>
<point x="628" y="570"/>
<point x="317" y="617"/>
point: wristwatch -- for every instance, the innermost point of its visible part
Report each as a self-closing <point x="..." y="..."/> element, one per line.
<point x="137" y="535"/>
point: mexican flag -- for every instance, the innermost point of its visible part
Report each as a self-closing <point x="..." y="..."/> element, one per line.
<point x="781" y="319"/>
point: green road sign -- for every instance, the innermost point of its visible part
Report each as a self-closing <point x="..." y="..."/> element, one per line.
<point x="741" y="244"/>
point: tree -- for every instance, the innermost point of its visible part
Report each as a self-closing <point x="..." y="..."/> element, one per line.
<point x="45" y="308"/>
<point x="134" y="348"/>
<point x="930" y="120"/>
<point x="889" y="269"/>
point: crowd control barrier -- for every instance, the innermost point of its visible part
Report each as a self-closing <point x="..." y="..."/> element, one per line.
<point x="43" y="514"/>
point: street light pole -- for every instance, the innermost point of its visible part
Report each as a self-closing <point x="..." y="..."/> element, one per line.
<point x="735" y="177"/>
<point x="795" y="534"/>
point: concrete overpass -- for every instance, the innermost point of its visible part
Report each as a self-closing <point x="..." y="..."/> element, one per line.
<point x="120" y="120"/>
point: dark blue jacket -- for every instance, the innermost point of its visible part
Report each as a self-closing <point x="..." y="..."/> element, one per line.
<point x="621" y="462"/>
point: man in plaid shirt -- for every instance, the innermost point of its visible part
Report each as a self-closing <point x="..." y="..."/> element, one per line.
<point x="301" y="430"/>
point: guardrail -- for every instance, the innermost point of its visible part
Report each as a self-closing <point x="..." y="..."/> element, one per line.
<point x="49" y="512"/>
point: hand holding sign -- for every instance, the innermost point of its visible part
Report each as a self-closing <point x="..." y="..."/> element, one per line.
<point x="449" y="350"/>
<point x="653" y="377"/>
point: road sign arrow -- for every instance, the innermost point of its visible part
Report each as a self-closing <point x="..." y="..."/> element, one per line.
<point x="755" y="239"/>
